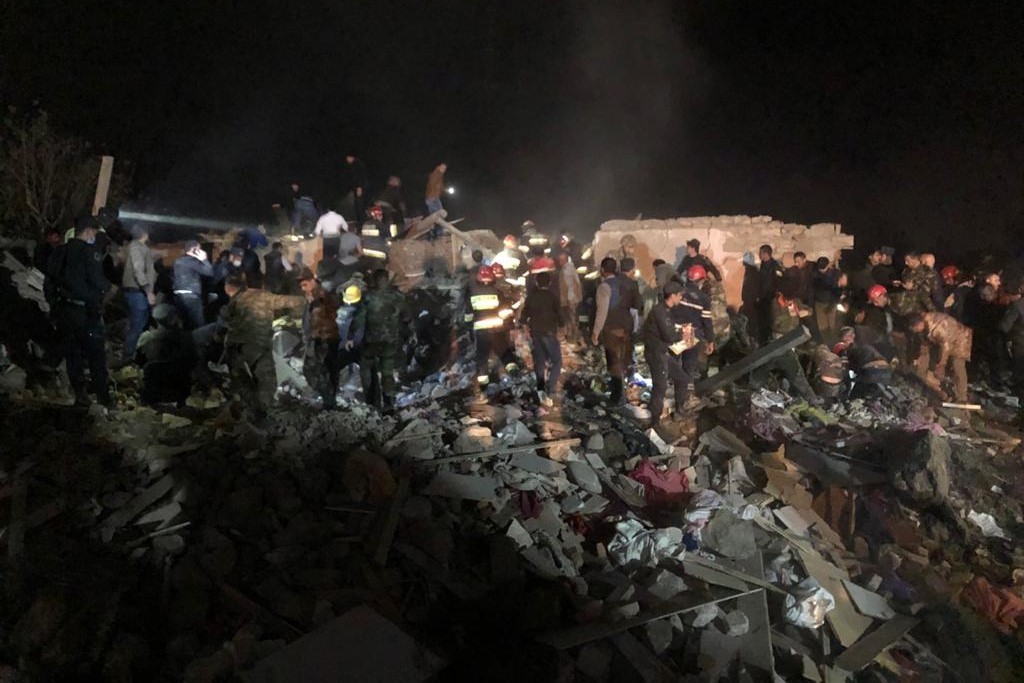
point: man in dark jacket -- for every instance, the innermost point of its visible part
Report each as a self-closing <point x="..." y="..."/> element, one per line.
<point x="42" y="252"/>
<point x="613" y="325"/>
<point x="75" y="288"/>
<point x="189" y="271"/>
<point x="358" y="182"/>
<point x="695" y="258"/>
<point x="826" y="290"/>
<point x="320" y="362"/>
<point x="542" y="315"/>
<point x="769" y="274"/>
<point x="168" y="358"/>
<point x="1012" y="326"/>
<point x="276" y="269"/>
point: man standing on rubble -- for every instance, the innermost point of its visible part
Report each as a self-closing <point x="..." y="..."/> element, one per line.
<point x="435" y="188"/>
<point x="189" y="270"/>
<point x="277" y="268"/>
<point x="663" y="343"/>
<point x="351" y="322"/>
<point x="248" y="321"/>
<point x="320" y="339"/>
<point x="541" y="314"/>
<point x="769" y="275"/>
<point x="358" y="182"/>
<point x="570" y="293"/>
<point x="613" y="325"/>
<point x="386" y="321"/>
<point x="329" y="227"/>
<point x="696" y="320"/>
<point x="75" y="288"/>
<point x="695" y="258"/>
<point x="512" y="260"/>
<point x="954" y="341"/>
<point x="137" y="283"/>
<point x="826" y="287"/>
<point x="489" y="310"/>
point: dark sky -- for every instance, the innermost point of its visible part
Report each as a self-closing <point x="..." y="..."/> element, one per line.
<point x="901" y="120"/>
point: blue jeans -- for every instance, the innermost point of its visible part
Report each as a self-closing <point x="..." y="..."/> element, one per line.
<point x="547" y="355"/>
<point x="138" y="318"/>
<point x="434" y="205"/>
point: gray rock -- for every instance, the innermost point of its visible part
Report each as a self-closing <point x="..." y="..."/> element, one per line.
<point x="734" y="623"/>
<point x="595" y="442"/>
<point x="702" y="616"/>
<point x="665" y="584"/>
<point x="920" y="470"/>
<point x="585" y="476"/>
<point x="729" y="535"/>
<point x="659" y="635"/>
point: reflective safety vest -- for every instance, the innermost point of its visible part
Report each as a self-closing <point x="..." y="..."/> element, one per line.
<point x="485" y="302"/>
<point x="510" y="262"/>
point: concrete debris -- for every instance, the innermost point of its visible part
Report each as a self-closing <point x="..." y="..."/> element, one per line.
<point x="920" y="470"/>
<point x="729" y="535"/>
<point x="466" y="486"/>
<point x="634" y="543"/>
<point x="734" y="623"/>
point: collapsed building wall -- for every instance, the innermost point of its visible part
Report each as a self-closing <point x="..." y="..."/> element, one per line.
<point x="724" y="239"/>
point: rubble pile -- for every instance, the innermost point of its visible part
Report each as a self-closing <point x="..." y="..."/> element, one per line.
<point x="767" y="537"/>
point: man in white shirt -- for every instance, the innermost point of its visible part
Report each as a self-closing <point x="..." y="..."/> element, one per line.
<point x="329" y="227"/>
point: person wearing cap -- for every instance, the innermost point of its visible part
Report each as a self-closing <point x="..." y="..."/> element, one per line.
<point x="490" y="310"/>
<point x="320" y="338"/>
<point x="74" y="287"/>
<point x="953" y="343"/>
<point x="248" y="320"/>
<point x="329" y="227"/>
<point x="877" y="316"/>
<point x="663" y="343"/>
<point x="189" y="270"/>
<point x="387" y="322"/>
<point x="542" y="315"/>
<point x="539" y="263"/>
<point x="351" y="323"/>
<point x="695" y="258"/>
<point x="168" y="357"/>
<point x="694" y="316"/>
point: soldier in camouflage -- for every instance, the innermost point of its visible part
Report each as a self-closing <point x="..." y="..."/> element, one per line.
<point x="386" y="324"/>
<point x="320" y="362"/>
<point x="953" y="341"/>
<point x="248" y="319"/>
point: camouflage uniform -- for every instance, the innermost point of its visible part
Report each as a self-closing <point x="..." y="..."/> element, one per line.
<point x="954" y="341"/>
<point x="249" y="319"/>
<point x="785" y="317"/>
<point x="320" y="362"/>
<point x="386" y="319"/>
<point x="720" y="320"/>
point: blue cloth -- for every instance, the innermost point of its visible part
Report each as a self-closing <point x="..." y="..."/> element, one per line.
<point x="434" y="205"/>
<point x="138" y="318"/>
<point x="547" y="356"/>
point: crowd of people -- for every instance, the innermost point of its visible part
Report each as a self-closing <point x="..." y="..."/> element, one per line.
<point x="210" y="314"/>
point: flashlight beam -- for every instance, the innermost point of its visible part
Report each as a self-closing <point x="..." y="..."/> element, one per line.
<point x="182" y="220"/>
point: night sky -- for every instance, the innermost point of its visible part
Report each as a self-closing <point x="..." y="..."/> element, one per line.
<point x="903" y="121"/>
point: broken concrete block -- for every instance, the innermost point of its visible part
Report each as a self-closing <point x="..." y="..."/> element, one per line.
<point x="920" y="470"/>
<point x="702" y="616"/>
<point x="659" y="635"/>
<point x="466" y="486"/>
<point x="729" y="535"/>
<point x="665" y="584"/>
<point x="585" y="477"/>
<point x="595" y="461"/>
<point x="595" y="442"/>
<point x="571" y="505"/>
<point x="473" y="440"/>
<point x="531" y="462"/>
<point x="734" y="623"/>
<point x="518" y="534"/>
<point x="624" y="611"/>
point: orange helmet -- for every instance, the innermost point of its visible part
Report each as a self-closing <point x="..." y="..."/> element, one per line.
<point x="498" y="270"/>
<point x="485" y="274"/>
<point x="511" y="240"/>
<point x="876" y="292"/>
<point x="696" y="272"/>
<point x="950" y="273"/>
<point x="376" y="212"/>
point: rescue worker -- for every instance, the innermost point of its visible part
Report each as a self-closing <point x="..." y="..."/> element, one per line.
<point x="247" y="321"/>
<point x="542" y="315"/>
<point x="571" y="247"/>
<point x="374" y="235"/>
<point x="953" y="341"/>
<point x="189" y="270"/>
<point x="250" y="264"/>
<point x="613" y="324"/>
<point x="950" y="279"/>
<point x="75" y="288"/>
<point x="512" y="260"/>
<point x="386" y="320"/>
<point x="168" y="358"/>
<point x="916" y="294"/>
<point x="827" y="289"/>
<point x="931" y="281"/>
<point x="663" y="273"/>
<point x="535" y="239"/>
<point x="721" y="321"/>
<point x="539" y="263"/>
<point x="878" y="317"/>
<point x="490" y="311"/>
<point x="695" y="258"/>
<point x="138" y="284"/>
<point x="351" y="323"/>
<point x="829" y="373"/>
<point x="320" y="339"/>
<point x="884" y="272"/>
<point x="787" y="313"/>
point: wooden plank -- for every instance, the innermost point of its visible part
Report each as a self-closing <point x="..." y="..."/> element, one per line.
<point x="585" y="633"/>
<point x="103" y="184"/>
<point x="864" y="651"/>
<point x="751" y="362"/>
<point x="504" y="451"/>
<point x="849" y="624"/>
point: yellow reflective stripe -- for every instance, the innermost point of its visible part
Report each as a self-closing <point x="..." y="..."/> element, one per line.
<point x="394" y="230"/>
<point x="484" y="302"/>
<point x="374" y="253"/>
<point x="507" y="262"/>
<point x="488" y="324"/>
<point x="371" y="232"/>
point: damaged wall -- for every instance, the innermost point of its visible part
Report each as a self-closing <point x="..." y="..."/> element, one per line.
<point x="724" y="239"/>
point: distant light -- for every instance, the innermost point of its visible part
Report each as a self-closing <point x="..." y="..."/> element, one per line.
<point x="450" y="190"/>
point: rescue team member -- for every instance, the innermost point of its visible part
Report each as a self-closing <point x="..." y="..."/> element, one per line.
<point x="512" y="260"/>
<point x="189" y="271"/>
<point x="74" y="288"/>
<point x="320" y="361"/>
<point x="953" y="341"/>
<point x="613" y="327"/>
<point x="386" y="317"/>
<point x="693" y="315"/>
<point x="660" y="337"/>
<point x="490" y="310"/>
